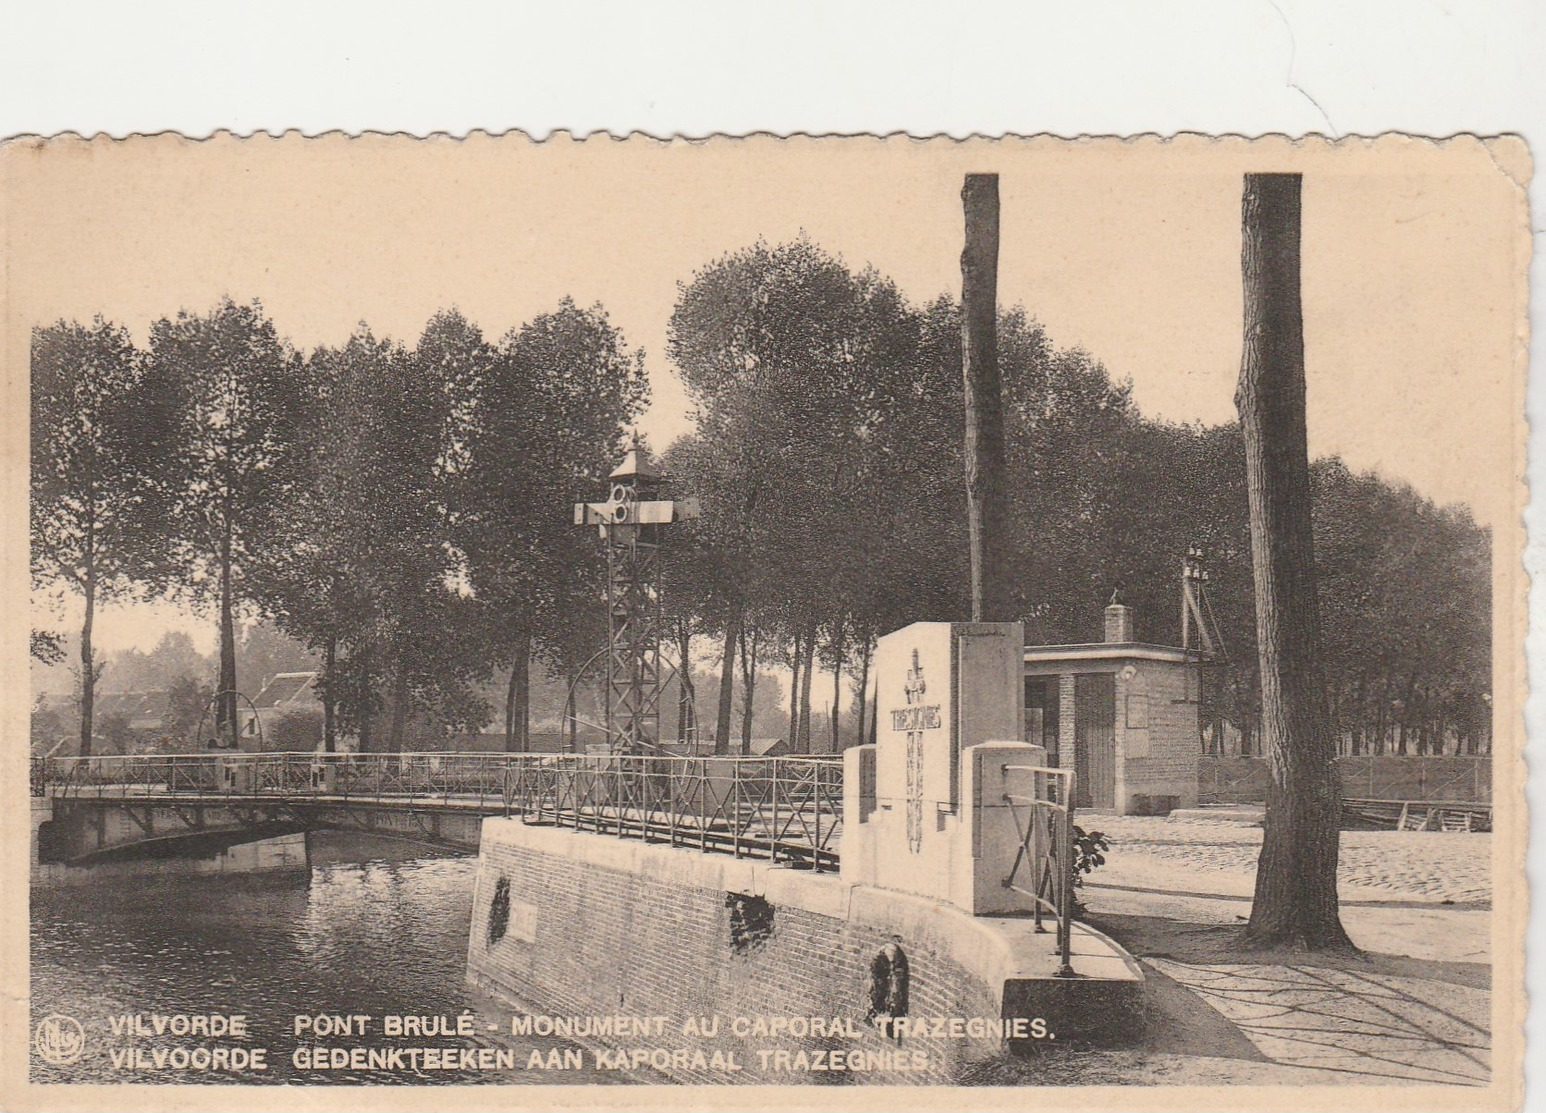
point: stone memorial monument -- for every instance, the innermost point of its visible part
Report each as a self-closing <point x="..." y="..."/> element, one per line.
<point x="928" y="807"/>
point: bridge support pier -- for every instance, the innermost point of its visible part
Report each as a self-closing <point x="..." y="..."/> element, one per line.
<point x="42" y="812"/>
<point x="276" y="857"/>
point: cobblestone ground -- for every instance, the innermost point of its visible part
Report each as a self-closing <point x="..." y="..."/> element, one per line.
<point x="1430" y="865"/>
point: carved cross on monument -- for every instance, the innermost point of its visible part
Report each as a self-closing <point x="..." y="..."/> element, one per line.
<point x="913" y="690"/>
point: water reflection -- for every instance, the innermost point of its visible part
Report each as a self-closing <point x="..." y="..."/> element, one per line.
<point x="377" y="928"/>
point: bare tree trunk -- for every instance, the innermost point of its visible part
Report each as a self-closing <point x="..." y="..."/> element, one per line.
<point x="1359" y="724"/>
<point x="748" y="687"/>
<point x="1404" y="724"/>
<point x="687" y="725"/>
<point x="864" y="688"/>
<point x="399" y="706"/>
<point x="806" y="672"/>
<point x="88" y="658"/>
<point x="570" y="726"/>
<point x="796" y="657"/>
<point x="870" y="740"/>
<point x="518" y="699"/>
<point x="329" y="698"/>
<point x="726" y="687"/>
<point x="225" y="723"/>
<point x="1382" y="716"/>
<point x="681" y="703"/>
<point x="837" y="685"/>
<point x="1438" y="723"/>
<point x="366" y="697"/>
<point x="986" y="512"/>
<point x="1295" y="903"/>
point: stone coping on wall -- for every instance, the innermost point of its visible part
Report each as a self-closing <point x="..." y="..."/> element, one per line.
<point x="1000" y="950"/>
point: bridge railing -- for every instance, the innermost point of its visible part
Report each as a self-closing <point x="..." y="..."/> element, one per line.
<point x="784" y="808"/>
<point x="123" y="775"/>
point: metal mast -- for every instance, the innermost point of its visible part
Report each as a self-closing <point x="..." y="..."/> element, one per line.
<point x="630" y="524"/>
<point x="1194" y="602"/>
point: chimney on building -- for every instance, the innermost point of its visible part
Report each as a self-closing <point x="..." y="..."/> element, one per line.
<point x="1119" y="623"/>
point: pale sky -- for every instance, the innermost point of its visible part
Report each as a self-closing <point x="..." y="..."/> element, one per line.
<point x="1413" y="271"/>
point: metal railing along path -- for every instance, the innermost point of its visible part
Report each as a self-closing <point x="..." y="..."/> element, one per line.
<point x="1045" y="857"/>
<point x="786" y="809"/>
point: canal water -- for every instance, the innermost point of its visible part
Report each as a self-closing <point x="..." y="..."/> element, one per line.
<point x="377" y="928"/>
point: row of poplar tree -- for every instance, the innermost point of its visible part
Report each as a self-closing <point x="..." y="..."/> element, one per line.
<point x="828" y="458"/>
<point x="406" y="511"/>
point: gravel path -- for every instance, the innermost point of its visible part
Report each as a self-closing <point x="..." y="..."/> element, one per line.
<point x="1426" y="865"/>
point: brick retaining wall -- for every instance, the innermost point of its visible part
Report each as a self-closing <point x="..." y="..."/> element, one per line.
<point x="585" y="940"/>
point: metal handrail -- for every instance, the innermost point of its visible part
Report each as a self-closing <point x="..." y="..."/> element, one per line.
<point x="1045" y="823"/>
<point x="785" y="808"/>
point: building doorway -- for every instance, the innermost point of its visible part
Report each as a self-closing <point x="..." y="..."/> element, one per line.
<point x="1095" y="743"/>
<point x="1041" y="715"/>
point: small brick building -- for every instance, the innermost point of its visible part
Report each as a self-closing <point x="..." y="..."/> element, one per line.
<point x="1123" y="713"/>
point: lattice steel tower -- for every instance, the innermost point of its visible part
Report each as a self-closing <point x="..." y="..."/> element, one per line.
<point x="631" y="524"/>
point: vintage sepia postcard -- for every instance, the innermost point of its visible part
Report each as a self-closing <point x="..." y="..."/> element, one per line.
<point x="806" y="623"/>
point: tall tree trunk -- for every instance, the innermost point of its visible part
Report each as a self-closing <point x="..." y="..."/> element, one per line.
<point x="365" y="694"/>
<point x="518" y="699"/>
<point x="1380" y="711"/>
<point x="986" y="509"/>
<point x="681" y="706"/>
<point x="1295" y="903"/>
<point x="837" y="686"/>
<point x="1404" y="730"/>
<point x="806" y="672"/>
<point x="570" y="726"/>
<point x="399" y="720"/>
<point x="748" y="687"/>
<point x="88" y="658"/>
<point x="726" y="686"/>
<point x="225" y="724"/>
<point x="329" y="699"/>
<point x="873" y="736"/>
<point x="864" y="689"/>
<point x="1360" y="724"/>
<point x="796" y="657"/>
<point x="688" y="725"/>
<point x="1334" y="721"/>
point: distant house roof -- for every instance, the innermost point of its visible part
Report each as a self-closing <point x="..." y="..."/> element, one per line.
<point x="493" y="741"/>
<point x="287" y="689"/>
<point x="143" y="710"/>
<point x="770" y="747"/>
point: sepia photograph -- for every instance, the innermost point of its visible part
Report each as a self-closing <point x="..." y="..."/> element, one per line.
<point x="983" y="617"/>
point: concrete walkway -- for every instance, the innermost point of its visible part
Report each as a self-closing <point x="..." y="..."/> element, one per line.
<point x="1415" y="1007"/>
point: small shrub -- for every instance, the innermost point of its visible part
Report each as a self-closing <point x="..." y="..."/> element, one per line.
<point x="1088" y="851"/>
<point x="1089" y="848"/>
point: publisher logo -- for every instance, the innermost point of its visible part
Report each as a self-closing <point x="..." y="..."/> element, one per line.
<point x="59" y="1039"/>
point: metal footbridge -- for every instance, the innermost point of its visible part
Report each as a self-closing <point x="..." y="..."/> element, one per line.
<point x="784" y="809"/>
